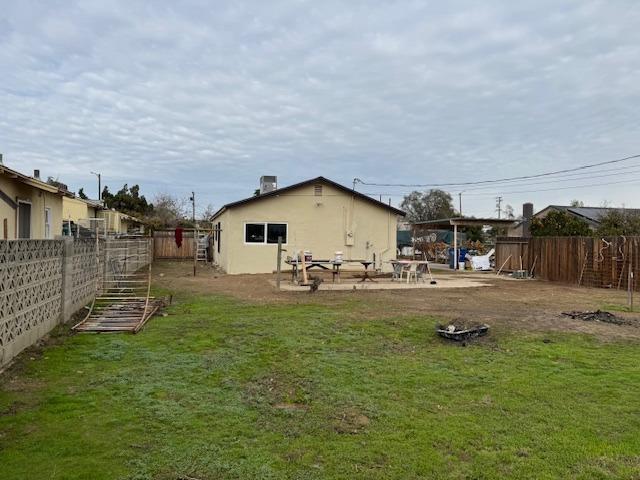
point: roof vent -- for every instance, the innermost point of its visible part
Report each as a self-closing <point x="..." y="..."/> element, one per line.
<point x="36" y="174"/>
<point x="268" y="183"/>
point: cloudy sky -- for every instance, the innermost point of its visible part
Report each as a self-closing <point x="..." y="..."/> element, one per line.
<point x="208" y="96"/>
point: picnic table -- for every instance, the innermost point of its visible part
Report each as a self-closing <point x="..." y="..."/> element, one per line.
<point x="366" y="276"/>
<point x="322" y="264"/>
<point x="332" y="265"/>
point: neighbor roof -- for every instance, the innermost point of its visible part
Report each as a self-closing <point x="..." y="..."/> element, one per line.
<point x="311" y="181"/>
<point x="593" y="214"/>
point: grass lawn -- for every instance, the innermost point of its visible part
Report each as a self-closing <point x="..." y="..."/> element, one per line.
<point x="222" y="388"/>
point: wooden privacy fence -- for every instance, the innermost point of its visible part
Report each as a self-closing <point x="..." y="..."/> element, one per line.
<point x="164" y="245"/>
<point x="587" y="261"/>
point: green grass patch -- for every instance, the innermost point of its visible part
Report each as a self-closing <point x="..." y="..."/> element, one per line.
<point x="615" y="307"/>
<point x="227" y="389"/>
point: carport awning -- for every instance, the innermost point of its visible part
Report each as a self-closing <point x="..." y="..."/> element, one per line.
<point x="446" y="223"/>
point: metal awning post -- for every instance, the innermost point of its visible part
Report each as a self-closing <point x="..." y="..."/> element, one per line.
<point x="455" y="246"/>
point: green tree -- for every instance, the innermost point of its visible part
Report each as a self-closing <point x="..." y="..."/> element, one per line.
<point x="127" y="200"/>
<point x="106" y="196"/>
<point x="559" y="224"/>
<point x="82" y="195"/>
<point x="430" y="205"/>
<point x="577" y="203"/>
<point x="619" y="222"/>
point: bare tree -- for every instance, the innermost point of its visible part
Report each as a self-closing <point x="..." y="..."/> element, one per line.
<point x="168" y="211"/>
<point x="208" y="213"/>
<point x="431" y="205"/>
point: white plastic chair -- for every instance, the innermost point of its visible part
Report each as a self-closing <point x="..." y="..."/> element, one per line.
<point x="412" y="272"/>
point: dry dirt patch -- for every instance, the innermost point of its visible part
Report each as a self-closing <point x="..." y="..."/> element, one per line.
<point x="529" y="305"/>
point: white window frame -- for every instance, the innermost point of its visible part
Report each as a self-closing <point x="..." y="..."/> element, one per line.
<point x="244" y="233"/>
<point x="47" y="223"/>
<point x="27" y="202"/>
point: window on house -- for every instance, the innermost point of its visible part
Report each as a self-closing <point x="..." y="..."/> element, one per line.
<point x="275" y="230"/>
<point x="265" y="232"/>
<point x="317" y="190"/>
<point x="254" y="232"/>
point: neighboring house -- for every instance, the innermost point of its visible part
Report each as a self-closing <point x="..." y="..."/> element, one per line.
<point x="118" y="223"/>
<point x="29" y="207"/>
<point x="591" y="215"/>
<point x="316" y="215"/>
<point x="75" y="209"/>
<point x="76" y="215"/>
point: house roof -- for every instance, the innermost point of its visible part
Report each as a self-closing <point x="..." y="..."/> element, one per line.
<point x="311" y="181"/>
<point x="33" y="182"/>
<point x="594" y="214"/>
<point x="591" y="215"/>
<point x="445" y="223"/>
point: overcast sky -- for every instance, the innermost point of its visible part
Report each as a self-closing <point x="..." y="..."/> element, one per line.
<point x="209" y="95"/>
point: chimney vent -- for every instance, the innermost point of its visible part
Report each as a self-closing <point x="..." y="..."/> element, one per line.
<point x="527" y="215"/>
<point x="36" y="174"/>
<point x="268" y="183"/>
<point x="0" y="159"/>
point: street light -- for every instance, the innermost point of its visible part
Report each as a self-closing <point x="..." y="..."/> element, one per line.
<point x="99" y="185"/>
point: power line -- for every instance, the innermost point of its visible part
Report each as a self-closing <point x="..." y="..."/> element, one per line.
<point x="499" y="180"/>
<point x="494" y="193"/>
<point x="635" y="180"/>
<point x="578" y="176"/>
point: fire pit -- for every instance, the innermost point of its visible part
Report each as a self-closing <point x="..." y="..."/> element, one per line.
<point x="460" y="332"/>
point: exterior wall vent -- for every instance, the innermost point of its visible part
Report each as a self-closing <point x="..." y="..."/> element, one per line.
<point x="317" y="190"/>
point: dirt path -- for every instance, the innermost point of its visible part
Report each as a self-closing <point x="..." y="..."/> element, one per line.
<point x="528" y="304"/>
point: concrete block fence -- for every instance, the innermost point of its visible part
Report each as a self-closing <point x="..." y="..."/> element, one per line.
<point x="45" y="282"/>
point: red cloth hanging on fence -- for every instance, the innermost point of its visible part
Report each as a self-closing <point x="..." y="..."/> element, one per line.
<point x="179" y="237"/>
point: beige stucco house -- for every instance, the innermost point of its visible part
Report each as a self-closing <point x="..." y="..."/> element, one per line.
<point x="75" y="209"/>
<point x="29" y="207"/>
<point x="316" y="215"/>
<point x="119" y="223"/>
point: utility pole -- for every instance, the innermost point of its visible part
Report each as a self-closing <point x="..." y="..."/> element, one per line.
<point x="460" y="202"/>
<point x="99" y="185"/>
<point x="499" y="206"/>
<point x="195" y="233"/>
<point x="193" y="206"/>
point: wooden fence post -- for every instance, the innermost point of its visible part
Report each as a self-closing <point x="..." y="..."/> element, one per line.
<point x="279" y="262"/>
